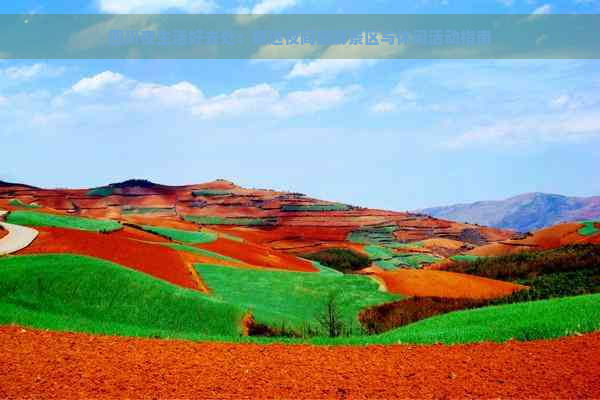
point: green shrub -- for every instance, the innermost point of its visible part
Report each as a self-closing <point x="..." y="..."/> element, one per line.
<point x="343" y="260"/>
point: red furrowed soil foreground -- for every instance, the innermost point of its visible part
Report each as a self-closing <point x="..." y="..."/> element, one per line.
<point x="39" y="364"/>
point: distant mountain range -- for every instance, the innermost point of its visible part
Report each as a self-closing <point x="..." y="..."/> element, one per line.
<point x="523" y="213"/>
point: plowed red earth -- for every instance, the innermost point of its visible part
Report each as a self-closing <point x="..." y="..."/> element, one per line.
<point x="258" y="255"/>
<point x="410" y="282"/>
<point x="2" y="232"/>
<point x="40" y="364"/>
<point x="122" y="247"/>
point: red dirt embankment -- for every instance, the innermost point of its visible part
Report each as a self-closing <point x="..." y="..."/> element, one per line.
<point x="544" y="239"/>
<point x="122" y="247"/>
<point x="2" y="232"/>
<point x="39" y="364"/>
<point x="430" y="283"/>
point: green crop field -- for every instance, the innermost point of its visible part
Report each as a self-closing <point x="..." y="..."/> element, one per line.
<point x="543" y="319"/>
<point x="19" y="203"/>
<point x="147" y="210"/>
<point x="103" y="191"/>
<point x="191" y="237"/>
<point x="71" y="292"/>
<point x="589" y="228"/>
<point x="386" y="258"/>
<point x="202" y="252"/>
<point x="293" y="299"/>
<point x="464" y="257"/>
<point x="315" y="207"/>
<point x="33" y="218"/>
<point x="213" y="220"/>
<point x="211" y="192"/>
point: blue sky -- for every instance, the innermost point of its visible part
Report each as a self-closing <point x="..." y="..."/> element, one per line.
<point x="394" y="134"/>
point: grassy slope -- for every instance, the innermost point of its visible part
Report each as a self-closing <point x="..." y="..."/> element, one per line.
<point x="191" y="237"/>
<point x="19" y="203"/>
<point x="589" y="228"/>
<point x="523" y="321"/>
<point x="70" y="292"/>
<point x="202" y="252"/>
<point x="291" y="298"/>
<point x="33" y="218"/>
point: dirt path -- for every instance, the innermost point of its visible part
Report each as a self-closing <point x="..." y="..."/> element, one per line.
<point x="18" y="237"/>
<point x="39" y="364"/>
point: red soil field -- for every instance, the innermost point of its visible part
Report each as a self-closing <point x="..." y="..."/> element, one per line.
<point x="41" y="364"/>
<point x="2" y="232"/>
<point x="429" y="283"/>
<point x="544" y="239"/>
<point x="258" y="256"/>
<point x="122" y="247"/>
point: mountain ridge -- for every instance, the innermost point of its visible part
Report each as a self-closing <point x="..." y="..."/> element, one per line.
<point x="524" y="212"/>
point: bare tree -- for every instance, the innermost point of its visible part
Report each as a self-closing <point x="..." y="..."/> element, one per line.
<point x="330" y="319"/>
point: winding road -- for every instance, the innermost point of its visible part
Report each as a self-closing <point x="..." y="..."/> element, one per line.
<point x="18" y="237"/>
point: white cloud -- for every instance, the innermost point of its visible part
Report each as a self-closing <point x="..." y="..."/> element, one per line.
<point x="29" y="72"/>
<point x="402" y="91"/>
<point x="269" y="7"/>
<point x="264" y="99"/>
<point x="545" y="128"/>
<point x="97" y="82"/>
<point x="383" y="107"/>
<point x="327" y="68"/>
<point x="155" y="6"/>
<point x="543" y="9"/>
<point x="181" y="93"/>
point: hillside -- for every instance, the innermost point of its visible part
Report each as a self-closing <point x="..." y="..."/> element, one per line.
<point x="523" y="213"/>
<point x="283" y="221"/>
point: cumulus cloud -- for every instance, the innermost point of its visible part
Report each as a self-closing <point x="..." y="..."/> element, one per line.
<point x="326" y="69"/>
<point x="543" y="128"/>
<point x="383" y="107"/>
<point x="30" y="72"/>
<point x="264" y="99"/>
<point x="268" y="7"/>
<point x="98" y="82"/>
<point x="155" y="6"/>
<point x="181" y="93"/>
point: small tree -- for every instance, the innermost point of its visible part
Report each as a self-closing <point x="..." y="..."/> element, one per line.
<point x="330" y="319"/>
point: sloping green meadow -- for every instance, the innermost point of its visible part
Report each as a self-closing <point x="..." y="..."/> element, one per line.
<point x="543" y="319"/>
<point x="34" y="218"/>
<point x="71" y="292"/>
<point x="589" y="228"/>
<point x="191" y="237"/>
<point x="292" y="299"/>
<point x="214" y="220"/>
<point x="19" y="203"/>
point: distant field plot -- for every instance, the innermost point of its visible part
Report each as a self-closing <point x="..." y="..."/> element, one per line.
<point x="202" y="252"/>
<point x="191" y="237"/>
<point x="19" y="203"/>
<point x="589" y="228"/>
<point x="70" y="292"/>
<point x="104" y="191"/>
<point x="147" y="210"/>
<point x="386" y="258"/>
<point x="522" y="321"/>
<point x="316" y="207"/>
<point x="213" y="220"/>
<point x="464" y="257"/>
<point x="378" y="235"/>
<point x="211" y="192"/>
<point x="32" y="218"/>
<point x="293" y="299"/>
